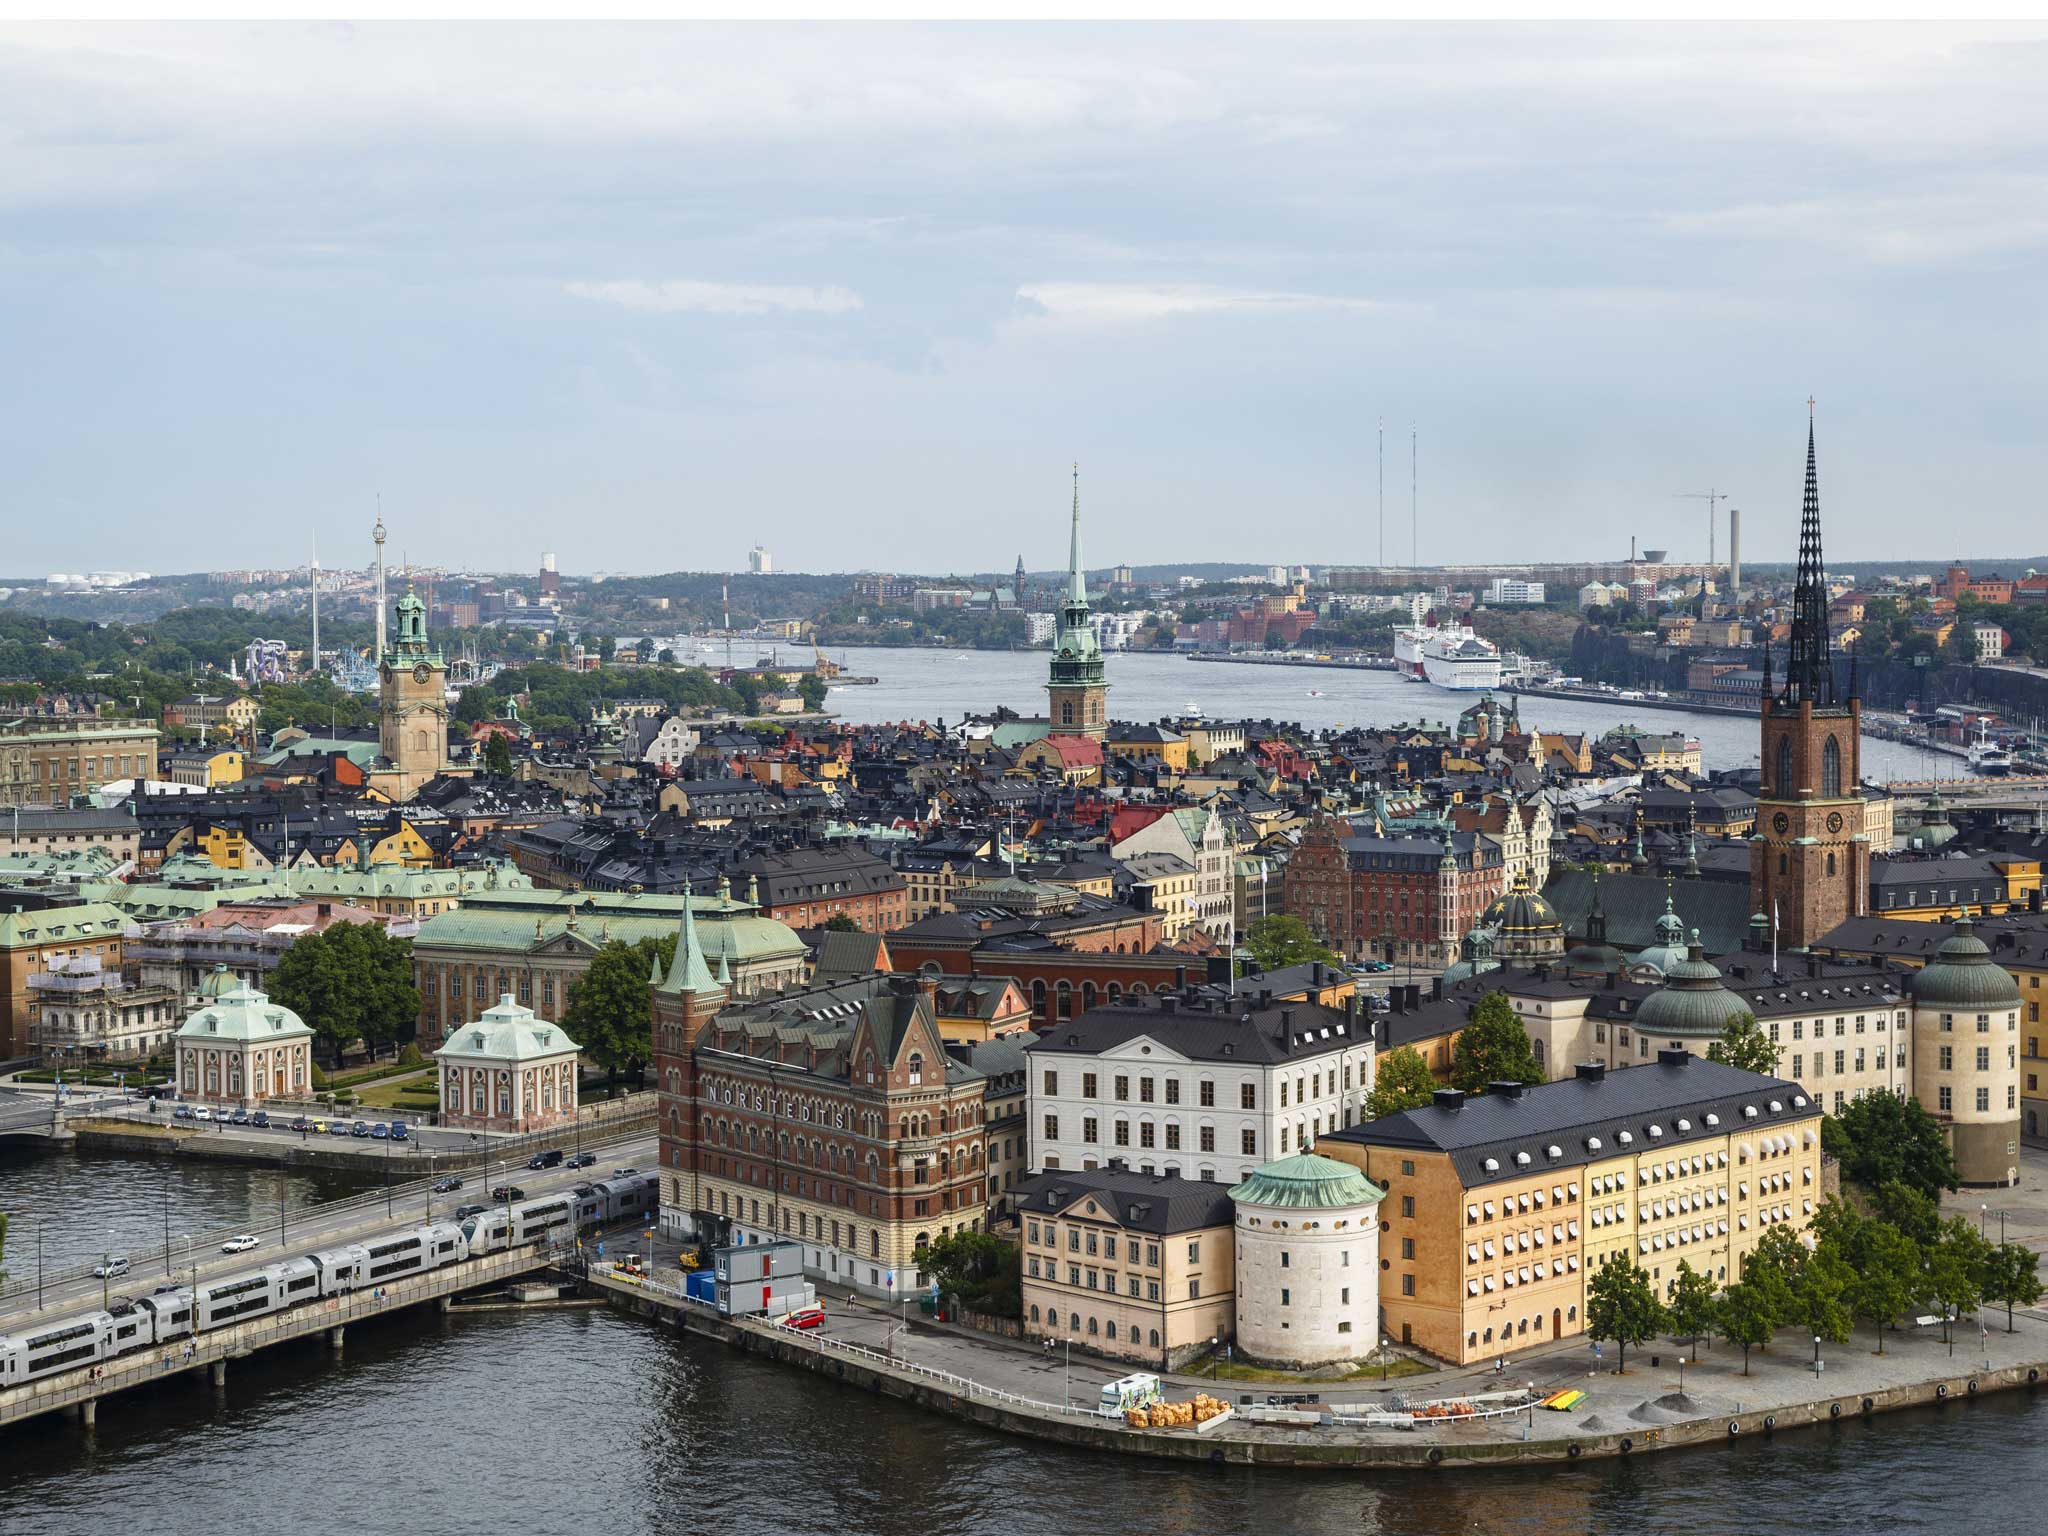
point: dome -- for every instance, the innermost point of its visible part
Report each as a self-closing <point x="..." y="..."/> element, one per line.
<point x="1475" y="957"/>
<point x="1521" y="912"/>
<point x="1963" y="976"/>
<point x="218" y="983"/>
<point x="1669" y="950"/>
<point x="1306" y="1181"/>
<point x="1692" y="1002"/>
<point x="1590" y="959"/>
<point x="240" y="1012"/>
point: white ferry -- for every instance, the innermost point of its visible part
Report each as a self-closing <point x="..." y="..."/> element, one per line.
<point x="1408" y="644"/>
<point x="1457" y="659"/>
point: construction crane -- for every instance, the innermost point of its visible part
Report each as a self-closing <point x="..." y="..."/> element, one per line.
<point x="1710" y="498"/>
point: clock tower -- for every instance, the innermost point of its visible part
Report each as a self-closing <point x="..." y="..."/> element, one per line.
<point x="1809" y="859"/>
<point x="412" y="708"/>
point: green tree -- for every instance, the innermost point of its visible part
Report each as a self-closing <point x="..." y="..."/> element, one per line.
<point x="812" y="688"/>
<point x="497" y="756"/>
<point x="1620" y="1305"/>
<point x="1915" y="1214"/>
<point x="1745" y="1317"/>
<point x="2011" y="1275"/>
<point x="1401" y="1080"/>
<point x="1744" y="1045"/>
<point x="1690" y="1309"/>
<point x="1879" y="1137"/>
<point x="607" y="1012"/>
<point x="1773" y="1271"/>
<point x="839" y="922"/>
<point x="1953" y="1270"/>
<point x="1493" y="1047"/>
<point x="349" y="982"/>
<point x="1274" y="942"/>
<point x="980" y="1269"/>
<point x="1818" y="1303"/>
<point x="1885" y="1266"/>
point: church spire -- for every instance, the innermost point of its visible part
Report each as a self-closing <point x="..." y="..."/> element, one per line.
<point x="1809" y="673"/>
<point x="1077" y="581"/>
<point x="688" y="972"/>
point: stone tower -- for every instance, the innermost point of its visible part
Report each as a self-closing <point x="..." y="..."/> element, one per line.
<point x="1077" y="693"/>
<point x="412" y="708"/>
<point x="1809" y="861"/>
<point x="681" y="1006"/>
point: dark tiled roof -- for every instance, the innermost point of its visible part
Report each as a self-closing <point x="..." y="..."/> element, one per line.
<point x="1633" y="903"/>
<point x="1515" y="1135"/>
<point x="1237" y="1031"/>
<point x="1143" y="1202"/>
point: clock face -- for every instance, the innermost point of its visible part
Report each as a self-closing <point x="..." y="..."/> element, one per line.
<point x="1781" y="823"/>
<point x="1834" y="821"/>
<point x="421" y="673"/>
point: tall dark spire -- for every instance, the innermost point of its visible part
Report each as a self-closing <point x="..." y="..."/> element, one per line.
<point x="1809" y="673"/>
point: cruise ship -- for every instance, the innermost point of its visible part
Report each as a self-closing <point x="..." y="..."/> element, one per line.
<point x="1448" y="655"/>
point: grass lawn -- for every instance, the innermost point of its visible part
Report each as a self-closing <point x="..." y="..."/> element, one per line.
<point x="417" y="1090"/>
<point x="1232" y="1370"/>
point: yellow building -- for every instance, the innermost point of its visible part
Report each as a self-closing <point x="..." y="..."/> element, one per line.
<point x="204" y="767"/>
<point x="1149" y="744"/>
<point x="1500" y="1207"/>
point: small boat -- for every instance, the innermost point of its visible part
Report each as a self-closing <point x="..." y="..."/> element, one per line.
<point x="1987" y="756"/>
<point x="1315" y="693"/>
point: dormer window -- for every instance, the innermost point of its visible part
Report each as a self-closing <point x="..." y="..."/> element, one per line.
<point x="916" y="1068"/>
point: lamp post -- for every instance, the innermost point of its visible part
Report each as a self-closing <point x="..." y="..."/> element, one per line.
<point x="1385" y="1345"/>
<point x="167" y="1220"/>
<point x="39" y="1263"/>
<point x="1983" y="1218"/>
<point x="1816" y="1357"/>
<point x="1068" y="1399"/>
<point x="192" y="1259"/>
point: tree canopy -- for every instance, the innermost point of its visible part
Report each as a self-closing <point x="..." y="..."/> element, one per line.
<point x="1493" y="1047"/>
<point x="1401" y="1080"/>
<point x="1622" y="1306"/>
<point x="349" y="982"/>
<point x="1882" y="1137"/>
<point x="979" y="1268"/>
<point x="1744" y="1045"/>
<point x="608" y="1012"/>
<point x="1278" y="941"/>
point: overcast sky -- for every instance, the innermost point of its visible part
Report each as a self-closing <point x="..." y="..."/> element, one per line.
<point x="647" y="295"/>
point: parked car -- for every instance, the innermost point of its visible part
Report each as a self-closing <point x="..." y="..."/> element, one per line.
<point x="582" y="1160"/>
<point x="551" y="1158"/>
<point x="337" y="1128"/>
<point x="806" y="1319"/>
<point x="110" y="1269"/>
<point x="182" y="1112"/>
<point x="302" y="1124"/>
<point x="360" y="1128"/>
<point x="464" y="1212"/>
<point x="508" y="1192"/>
<point x="399" y="1131"/>
<point x="625" y="1173"/>
<point x="239" y="1117"/>
<point x="449" y="1185"/>
<point x="379" y="1131"/>
<point x="201" y="1112"/>
<point x="241" y="1242"/>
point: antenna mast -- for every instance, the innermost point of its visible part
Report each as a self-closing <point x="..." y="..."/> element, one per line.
<point x="1383" y="492"/>
<point x="314" y="670"/>
<point x="1414" y="536"/>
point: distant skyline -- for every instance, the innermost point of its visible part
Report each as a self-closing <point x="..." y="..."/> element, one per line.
<point x="647" y="295"/>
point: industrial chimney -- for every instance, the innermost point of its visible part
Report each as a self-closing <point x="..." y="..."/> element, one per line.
<point x="1734" y="554"/>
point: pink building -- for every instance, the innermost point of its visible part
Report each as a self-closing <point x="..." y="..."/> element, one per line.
<point x="509" y="1071"/>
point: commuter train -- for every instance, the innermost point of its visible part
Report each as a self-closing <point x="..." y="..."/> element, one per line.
<point x="147" y="1321"/>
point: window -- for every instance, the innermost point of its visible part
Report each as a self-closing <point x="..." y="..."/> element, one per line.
<point x="1781" y="783"/>
<point x="1248" y="1096"/>
<point x="1983" y="1100"/>
<point x="1207" y="1097"/>
<point x="1089" y="1128"/>
<point x="1145" y="1090"/>
<point x="1052" y="1127"/>
<point x="1194" y="1290"/>
<point x="1123" y="1133"/>
<point x="1173" y="1136"/>
<point x="1983" y="1058"/>
<point x="1206" y="1138"/>
<point x="1407" y="1168"/>
<point x="1248" y="1143"/>
<point x="1286" y="1297"/>
<point x="1948" y="1058"/>
<point x="1946" y="1103"/>
<point x="1407" y="1248"/>
<point x="1831" y="775"/>
<point x="1407" y="1285"/>
<point x="1123" y="1088"/>
<point x="1052" y="1084"/>
<point x="1087" y="1085"/>
<point x="1146" y="1133"/>
<point x="1194" y="1250"/>
<point x="1173" y="1090"/>
<point x="1407" y="1205"/>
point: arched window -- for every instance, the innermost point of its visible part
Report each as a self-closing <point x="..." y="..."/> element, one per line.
<point x="1066" y="713"/>
<point x="1782" y="784"/>
<point x="1831" y="863"/>
<point x="1831" y="769"/>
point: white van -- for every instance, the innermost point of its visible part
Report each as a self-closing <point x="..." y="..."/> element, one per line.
<point x="1128" y="1392"/>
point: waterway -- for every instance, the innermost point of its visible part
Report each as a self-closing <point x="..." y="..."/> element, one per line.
<point x="553" y="1422"/>
<point x="922" y="684"/>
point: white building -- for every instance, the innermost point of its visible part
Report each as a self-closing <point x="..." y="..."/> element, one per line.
<point x="1506" y="590"/>
<point x="760" y="562"/>
<point x="1195" y="836"/>
<point x="1308" y="1261"/>
<point x="673" y="744"/>
<point x="509" y="1071"/>
<point x="1990" y="642"/>
<point x="239" y="1047"/>
<point x="1042" y="627"/>
<point x="1195" y="1086"/>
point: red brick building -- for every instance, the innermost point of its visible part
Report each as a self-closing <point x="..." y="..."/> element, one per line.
<point x="1406" y="898"/>
<point x="808" y="887"/>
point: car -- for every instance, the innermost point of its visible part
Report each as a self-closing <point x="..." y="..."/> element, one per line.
<point x="449" y="1185"/>
<point x="624" y="1173"/>
<point x="168" y="1288"/>
<point x="400" y="1131"/>
<point x="202" y="1113"/>
<point x="302" y="1125"/>
<point x="464" y="1212"/>
<point x="379" y="1131"/>
<point x="261" y="1120"/>
<point x="318" y="1127"/>
<point x="805" y="1319"/>
<point x="582" y="1160"/>
<point x="360" y="1128"/>
<point x="239" y="1117"/>
<point x="241" y="1242"/>
<point x="508" y="1192"/>
<point x="110" y="1269"/>
<point x="551" y="1158"/>
<point x="182" y="1112"/>
<point x="337" y="1128"/>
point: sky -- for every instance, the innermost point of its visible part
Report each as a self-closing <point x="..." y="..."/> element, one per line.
<point x="646" y="295"/>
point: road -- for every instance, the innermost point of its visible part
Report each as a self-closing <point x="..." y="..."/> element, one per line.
<point x="305" y="1231"/>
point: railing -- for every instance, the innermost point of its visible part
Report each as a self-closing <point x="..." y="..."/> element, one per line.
<point x="18" y="1284"/>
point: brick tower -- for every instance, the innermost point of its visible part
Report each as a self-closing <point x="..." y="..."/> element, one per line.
<point x="1809" y="860"/>
<point x="681" y="1006"/>
<point x="1077" y="692"/>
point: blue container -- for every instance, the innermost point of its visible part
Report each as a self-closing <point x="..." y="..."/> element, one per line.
<point x="702" y="1285"/>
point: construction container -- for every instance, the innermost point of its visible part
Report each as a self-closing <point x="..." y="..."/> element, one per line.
<point x="746" y="1262"/>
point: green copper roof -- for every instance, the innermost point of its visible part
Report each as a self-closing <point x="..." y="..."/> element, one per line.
<point x="1692" y="1002"/>
<point x="1963" y="976"/>
<point x="1305" y="1182"/>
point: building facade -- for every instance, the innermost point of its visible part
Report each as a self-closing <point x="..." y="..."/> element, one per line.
<point x="1307" y="1235"/>
<point x="412" y="707"/>
<point x="239" y="1048"/>
<point x="510" y="1070"/>
<point x="46" y="760"/>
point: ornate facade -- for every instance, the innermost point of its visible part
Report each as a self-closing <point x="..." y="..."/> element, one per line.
<point x="412" y="707"/>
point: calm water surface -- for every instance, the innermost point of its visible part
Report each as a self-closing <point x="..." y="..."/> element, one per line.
<point x="568" y="1421"/>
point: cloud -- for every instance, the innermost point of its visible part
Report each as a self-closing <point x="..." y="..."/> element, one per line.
<point x="692" y="295"/>
<point x="1112" y="303"/>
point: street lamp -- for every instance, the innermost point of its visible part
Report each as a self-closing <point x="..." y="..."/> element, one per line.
<point x="193" y="1260"/>
<point x="1385" y="1345"/>
<point x="1816" y="1357"/>
<point x="1068" y="1399"/>
<point x="167" y="1221"/>
<point x="1983" y="1218"/>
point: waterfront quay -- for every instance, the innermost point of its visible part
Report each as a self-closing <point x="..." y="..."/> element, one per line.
<point x="1660" y="1403"/>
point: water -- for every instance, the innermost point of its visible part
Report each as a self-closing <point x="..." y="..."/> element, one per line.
<point x="586" y="1420"/>
<point x="942" y="684"/>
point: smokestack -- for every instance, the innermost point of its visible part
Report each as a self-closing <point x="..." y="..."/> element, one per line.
<point x="1631" y="549"/>
<point x="1734" y="554"/>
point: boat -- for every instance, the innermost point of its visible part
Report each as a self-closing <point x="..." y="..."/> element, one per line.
<point x="1408" y="643"/>
<point x="1459" y="660"/>
<point x="1988" y="757"/>
<point x="1315" y="693"/>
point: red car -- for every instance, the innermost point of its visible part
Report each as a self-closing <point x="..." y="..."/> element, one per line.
<point x="805" y="1318"/>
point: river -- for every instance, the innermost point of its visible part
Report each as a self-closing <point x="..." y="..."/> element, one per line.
<point x="555" y="1422"/>
<point x="922" y="684"/>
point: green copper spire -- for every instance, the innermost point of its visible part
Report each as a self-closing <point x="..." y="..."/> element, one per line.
<point x="688" y="972"/>
<point x="1077" y="580"/>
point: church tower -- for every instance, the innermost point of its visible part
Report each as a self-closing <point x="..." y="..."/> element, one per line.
<point x="1076" y="690"/>
<point x="412" y="708"/>
<point x="1809" y="860"/>
<point x="682" y="1005"/>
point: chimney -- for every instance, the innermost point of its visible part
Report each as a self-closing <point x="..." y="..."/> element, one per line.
<point x="1505" y="1090"/>
<point x="1591" y="1071"/>
<point x="1436" y="990"/>
<point x="1397" y="999"/>
<point x="1447" y="1098"/>
<point x="1673" y="1056"/>
<point x="1413" y="992"/>
<point x="1168" y="1003"/>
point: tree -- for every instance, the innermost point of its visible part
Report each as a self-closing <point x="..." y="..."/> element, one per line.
<point x="1401" y="1080"/>
<point x="2010" y="1275"/>
<point x="981" y="1270"/>
<point x="1879" y="1137"/>
<point x="1745" y="1317"/>
<point x="1885" y="1265"/>
<point x="839" y="922"/>
<point x="1744" y="1045"/>
<point x="812" y="688"/>
<point x="1493" y="1047"/>
<point x="1915" y="1214"/>
<point x="1953" y="1269"/>
<point x="497" y="756"/>
<point x="607" y="1011"/>
<point x="1773" y="1271"/>
<point x="1819" y="1288"/>
<point x="1620" y="1305"/>
<point x="349" y="982"/>
<point x="1690" y="1311"/>
<point x="1277" y="941"/>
